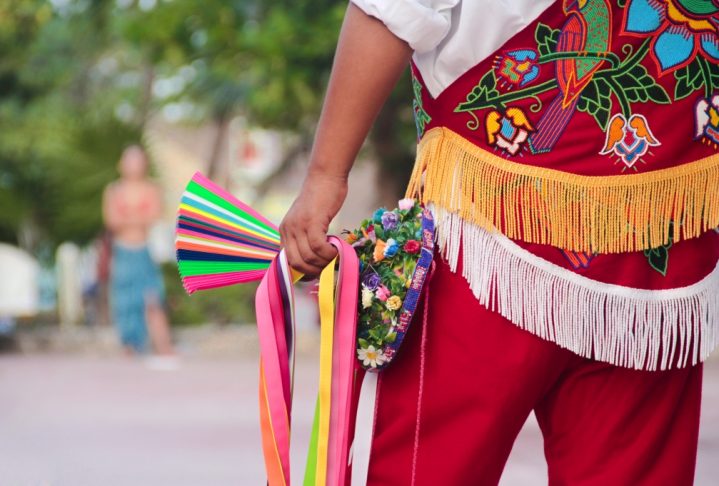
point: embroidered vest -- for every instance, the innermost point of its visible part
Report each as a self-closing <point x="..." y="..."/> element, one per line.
<point x="578" y="170"/>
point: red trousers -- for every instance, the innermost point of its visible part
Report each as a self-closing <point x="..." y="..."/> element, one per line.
<point x="452" y="403"/>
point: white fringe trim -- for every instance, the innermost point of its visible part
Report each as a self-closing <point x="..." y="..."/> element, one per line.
<point x="624" y="326"/>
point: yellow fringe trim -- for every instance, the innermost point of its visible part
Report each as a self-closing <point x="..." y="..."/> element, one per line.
<point x="601" y="214"/>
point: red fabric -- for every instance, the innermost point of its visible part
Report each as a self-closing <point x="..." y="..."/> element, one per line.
<point x="689" y="261"/>
<point x="602" y="425"/>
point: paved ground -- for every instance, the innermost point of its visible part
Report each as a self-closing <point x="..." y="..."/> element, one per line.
<point x="88" y="421"/>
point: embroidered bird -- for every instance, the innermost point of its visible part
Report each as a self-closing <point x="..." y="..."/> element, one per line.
<point x="588" y="29"/>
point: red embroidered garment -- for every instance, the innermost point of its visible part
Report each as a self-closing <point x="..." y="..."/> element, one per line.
<point x="592" y="96"/>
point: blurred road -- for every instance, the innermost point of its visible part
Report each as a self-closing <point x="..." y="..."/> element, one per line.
<point x="83" y="421"/>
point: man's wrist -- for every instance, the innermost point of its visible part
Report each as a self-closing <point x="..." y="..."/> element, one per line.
<point x="327" y="171"/>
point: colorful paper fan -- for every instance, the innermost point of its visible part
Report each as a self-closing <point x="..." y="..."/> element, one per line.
<point x="221" y="240"/>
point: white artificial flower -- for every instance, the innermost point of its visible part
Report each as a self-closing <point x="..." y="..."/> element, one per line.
<point x="371" y="356"/>
<point x="406" y="204"/>
<point x="367" y="296"/>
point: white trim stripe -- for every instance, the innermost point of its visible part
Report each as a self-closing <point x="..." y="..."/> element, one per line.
<point x="624" y="326"/>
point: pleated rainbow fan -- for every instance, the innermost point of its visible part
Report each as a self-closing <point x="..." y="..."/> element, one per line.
<point x="220" y="240"/>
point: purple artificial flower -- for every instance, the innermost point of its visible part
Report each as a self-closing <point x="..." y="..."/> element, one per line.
<point x="390" y="220"/>
<point x="372" y="281"/>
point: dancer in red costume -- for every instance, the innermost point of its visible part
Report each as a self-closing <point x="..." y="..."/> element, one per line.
<point x="567" y="151"/>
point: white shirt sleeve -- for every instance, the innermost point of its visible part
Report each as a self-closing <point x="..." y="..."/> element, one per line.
<point x="421" y="23"/>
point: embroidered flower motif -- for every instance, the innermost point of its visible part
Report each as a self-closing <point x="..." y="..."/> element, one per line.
<point x="371" y="356"/>
<point x="629" y="139"/>
<point x="706" y="114"/>
<point x="367" y="297"/>
<point x="517" y="68"/>
<point x="508" y="131"/>
<point x="382" y="293"/>
<point x="371" y="281"/>
<point x="390" y="220"/>
<point x="391" y="249"/>
<point x="412" y="246"/>
<point x="378" y="254"/>
<point x="394" y="303"/>
<point x="406" y="204"/>
<point x="679" y="29"/>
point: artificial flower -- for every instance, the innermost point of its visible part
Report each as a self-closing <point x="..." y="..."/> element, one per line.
<point x="377" y="216"/>
<point x="382" y="293"/>
<point x="391" y="248"/>
<point x="678" y="29"/>
<point x="390" y="220"/>
<point x="394" y="303"/>
<point x="359" y="242"/>
<point x="406" y="204"/>
<point x="371" y="281"/>
<point x="412" y="246"/>
<point x="370" y="233"/>
<point x="371" y="356"/>
<point x="367" y="297"/>
<point x="351" y="238"/>
<point x="379" y="248"/>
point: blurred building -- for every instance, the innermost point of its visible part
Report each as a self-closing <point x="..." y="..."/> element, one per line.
<point x="19" y="285"/>
<point x="247" y="158"/>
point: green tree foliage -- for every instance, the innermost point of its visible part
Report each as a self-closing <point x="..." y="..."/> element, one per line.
<point x="79" y="79"/>
<point x="59" y="136"/>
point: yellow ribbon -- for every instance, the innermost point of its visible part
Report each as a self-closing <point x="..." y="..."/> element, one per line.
<point x="327" y="323"/>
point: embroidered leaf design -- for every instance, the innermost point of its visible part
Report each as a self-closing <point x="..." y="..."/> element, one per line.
<point x="485" y="90"/>
<point x="639" y="86"/>
<point x="713" y="74"/>
<point x="697" y="74"/>
<point x="596" y="100"/>
<point x="689" y="79"/>
<point x="546" y="38"/>
<point x="658" y="258"/>
<point x="628" y="84"/>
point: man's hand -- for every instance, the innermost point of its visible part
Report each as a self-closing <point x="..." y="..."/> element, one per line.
<point x="304" y="229"/>
<point x="368" y="63"/>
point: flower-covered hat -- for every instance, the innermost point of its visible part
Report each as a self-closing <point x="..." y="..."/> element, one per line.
<point x="395" y="250"/>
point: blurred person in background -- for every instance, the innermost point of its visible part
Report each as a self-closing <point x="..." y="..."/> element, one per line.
<point x="131" y="205"/>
